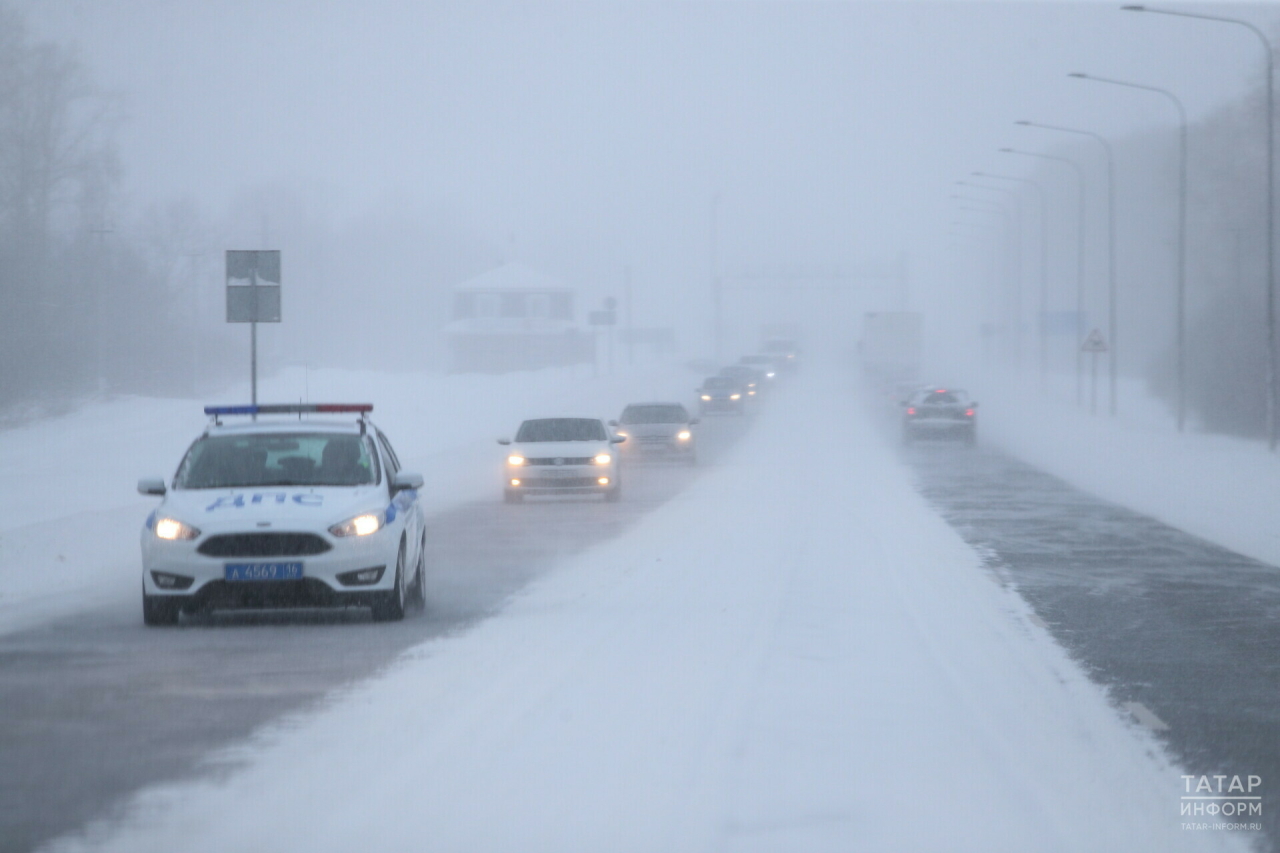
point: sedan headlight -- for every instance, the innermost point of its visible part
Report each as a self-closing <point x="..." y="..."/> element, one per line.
<point x="360" y="525"/>
<point x="171" y="528"/>
<point x="603" y="459"/>
<point x="706" y="396"/>
<point x="735" y="396"/>
<point x="684" y="435"/>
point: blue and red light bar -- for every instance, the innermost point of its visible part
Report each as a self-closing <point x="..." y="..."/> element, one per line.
<point x="290" y="409"/>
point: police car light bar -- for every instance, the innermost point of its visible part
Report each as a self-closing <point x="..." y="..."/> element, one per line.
<point x="290" y="409"/>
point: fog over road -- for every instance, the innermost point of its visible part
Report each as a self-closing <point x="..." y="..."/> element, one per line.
<point x="97" y="706"/>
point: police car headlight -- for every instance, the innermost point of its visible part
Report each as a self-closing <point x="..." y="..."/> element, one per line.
<point x="603" y="459"/>
<point x="684" y="435"/>
<point x="515" y="459"/>
<point x="361" y="525"/>
<point x="171" y="528"/>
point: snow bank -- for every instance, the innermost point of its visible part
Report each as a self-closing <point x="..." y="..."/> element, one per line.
<point x="70" y="514"/>
<point x="794" y="654"/>
<point x="1223" y="489"/>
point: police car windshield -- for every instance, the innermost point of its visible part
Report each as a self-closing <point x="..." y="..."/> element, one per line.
<point x="655" y="415"/>
<point x="278" y="459"/>
<point x="562" y="429"/>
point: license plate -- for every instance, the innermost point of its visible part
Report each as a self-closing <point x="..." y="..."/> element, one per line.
<point x="263" y="571"/>
<point x="560" y="474"/>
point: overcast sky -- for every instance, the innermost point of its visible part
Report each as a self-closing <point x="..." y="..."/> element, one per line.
<point x="832" y="131"/>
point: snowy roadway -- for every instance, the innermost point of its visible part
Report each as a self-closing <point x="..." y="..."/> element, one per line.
<point x="793" y="652"/>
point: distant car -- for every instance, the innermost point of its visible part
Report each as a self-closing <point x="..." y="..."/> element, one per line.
<point x="282" y="512"/>
<point x="659" y="429"/>
<point x="766" y="364"/>
<point x="722" y="394"/>
<point x="786" y="349"/>
<point x="552" y="456"/>
<point x="939" y="413"/>
<point x="753" y="380"/>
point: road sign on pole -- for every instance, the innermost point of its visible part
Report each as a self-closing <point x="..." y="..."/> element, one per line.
<point x="1095" y="343"/>
<point x="253" y="297"/>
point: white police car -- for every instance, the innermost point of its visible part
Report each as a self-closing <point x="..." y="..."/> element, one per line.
<point x="284" y="512"/>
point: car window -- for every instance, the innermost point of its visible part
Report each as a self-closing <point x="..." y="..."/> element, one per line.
<point x="393" y="461"/>
<point x="719" y="382"/>
<point x="562" y="429"/>
<point x="942" y="398"/>
<point x="655" y="415"/>
<point x="278" y="459"/>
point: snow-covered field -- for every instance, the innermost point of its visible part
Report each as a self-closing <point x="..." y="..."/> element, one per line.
<point x="794" y="654"/>
<point x="1223" y="489"/>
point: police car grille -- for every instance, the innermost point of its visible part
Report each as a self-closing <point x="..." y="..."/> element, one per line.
<point x="568" y="460"/>
<point x="263" y="545"/>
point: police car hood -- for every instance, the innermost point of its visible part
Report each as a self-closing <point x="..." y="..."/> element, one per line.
<point x="552" y="449"/>
<point x="307" y="508"/>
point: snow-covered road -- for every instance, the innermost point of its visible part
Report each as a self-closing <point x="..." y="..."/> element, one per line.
<point x="795" y="653"/>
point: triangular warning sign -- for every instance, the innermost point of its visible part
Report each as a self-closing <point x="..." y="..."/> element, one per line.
<point x="1094" y="343"/>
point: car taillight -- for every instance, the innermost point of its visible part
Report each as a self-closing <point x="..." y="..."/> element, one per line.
<point x="911" y="411"/>
<point x="968" y="413"/>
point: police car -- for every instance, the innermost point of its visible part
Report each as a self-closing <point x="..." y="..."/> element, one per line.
<point x="284" y="512"/>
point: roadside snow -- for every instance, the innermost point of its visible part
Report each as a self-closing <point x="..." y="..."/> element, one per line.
<point x="1223" y="489"/>
<point x="794" y="654"/>
<point x="70" y="514"/>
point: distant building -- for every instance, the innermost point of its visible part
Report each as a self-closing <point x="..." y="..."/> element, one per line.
<point x="514" y="318"/>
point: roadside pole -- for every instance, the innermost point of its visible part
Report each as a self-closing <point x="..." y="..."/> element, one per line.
<point x="253" y="297"/>
<point x="1094" y="344"/>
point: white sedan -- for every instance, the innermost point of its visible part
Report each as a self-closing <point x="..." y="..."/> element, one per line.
<point x="284" y="512"/>
<point x="562" y="456"/>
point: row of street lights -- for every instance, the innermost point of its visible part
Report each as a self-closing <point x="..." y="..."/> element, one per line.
<point x="1273" y="357"/>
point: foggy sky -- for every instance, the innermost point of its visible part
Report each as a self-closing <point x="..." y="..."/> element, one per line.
<point x="585" y="136"/>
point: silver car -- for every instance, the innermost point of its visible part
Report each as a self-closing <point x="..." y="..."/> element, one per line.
<point x="659" y="430"/>
<point x="939" y="413"/>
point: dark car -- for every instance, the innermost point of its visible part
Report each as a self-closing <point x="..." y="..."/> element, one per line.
<point x="753" y="380"/>
<point x="945" y="413"/>
<point x="658" y="429"/>
<point x="722" y="394"/>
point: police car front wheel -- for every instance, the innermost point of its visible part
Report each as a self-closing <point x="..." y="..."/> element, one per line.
<point x="390" y="606"/>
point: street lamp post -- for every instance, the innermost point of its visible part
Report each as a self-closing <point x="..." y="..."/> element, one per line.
<point x="1017" y="283"/>
<point x="1112" y="323"/>
<point x="1044" y="263"/>
<point x="1080" y="243"/>
<point x="717" y="318"/>
<point x="1013" y="251"/>
<point x="1181" y="298"/>
<point x="1273" y="356"/>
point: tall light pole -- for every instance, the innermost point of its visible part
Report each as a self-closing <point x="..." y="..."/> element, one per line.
<point x="1044" y="262"/>
<point x="1013" y="250"/>
<point x="1017" y="289"/>
<point x="1112" y="323"/>
<point x="717" y="296"/>
<point x="1080" y="243"/>
<point x="1181" y="297"/>
<point x="1273" y="348"/>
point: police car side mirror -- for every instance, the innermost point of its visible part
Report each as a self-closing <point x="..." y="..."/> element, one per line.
<point x="405" y="480"/>
<point x="152" y="486"/>
<point x="618" y="439"/>
<point x="504" y="441"/>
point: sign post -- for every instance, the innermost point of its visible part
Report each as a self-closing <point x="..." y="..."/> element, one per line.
<point x="609" y="318"/>
<point x="1094" y="344"/>
<point x="253" y="297"/>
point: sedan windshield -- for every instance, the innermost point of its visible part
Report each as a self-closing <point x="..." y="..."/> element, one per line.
<point x="721" y="383"/>
<point x="655" y="415"/>
<point x="278" y="459"/>
<point x="562" y="429"/>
